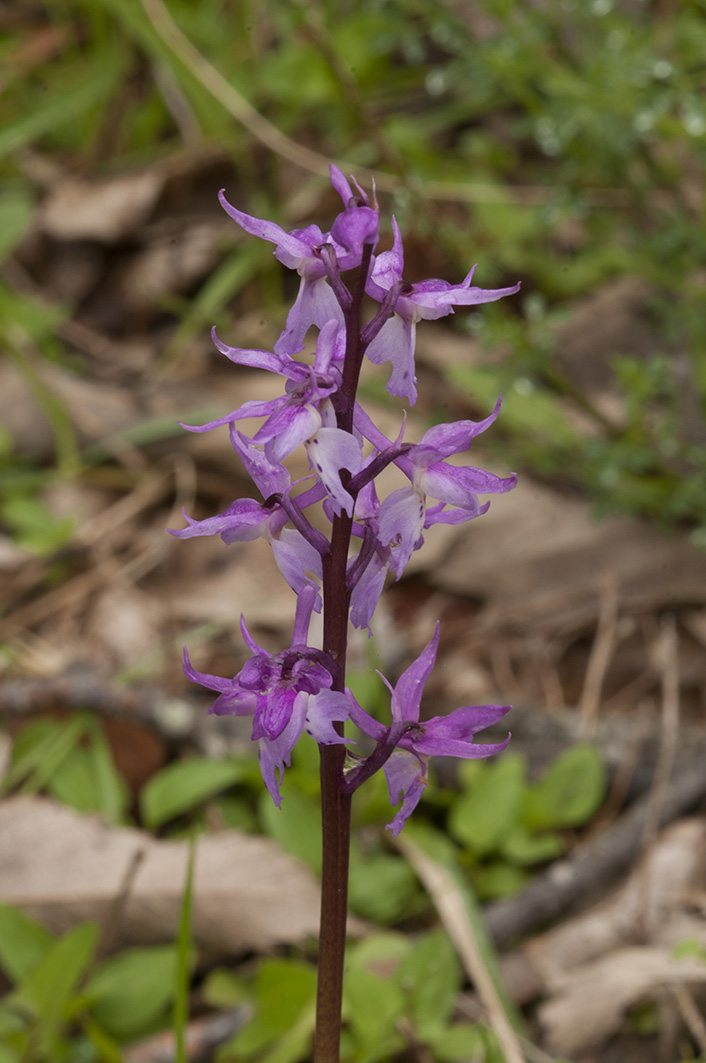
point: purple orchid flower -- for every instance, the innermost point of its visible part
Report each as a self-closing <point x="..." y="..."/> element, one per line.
<point x="286" y="694"/>
<point x="404" y="514"/>
<point x="429" y="300"/>
<point x="414" y="742"/>
<point x="316" y="302"/>
<point x="295" y="416"/>
<point x="244" y="520"/>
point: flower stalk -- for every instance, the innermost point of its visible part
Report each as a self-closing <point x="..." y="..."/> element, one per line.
<point x="303" y="688"/>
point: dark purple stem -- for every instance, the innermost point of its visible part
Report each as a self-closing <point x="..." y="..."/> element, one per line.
<point x="311" y="534"/>
<point x="370" y="765"/>
<point x="335" y="803"/>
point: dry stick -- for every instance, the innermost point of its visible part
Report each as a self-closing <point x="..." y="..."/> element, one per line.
<point x="601" y="654"/>
<point x="691" y="1015"/>
<point x="449" y="905"/>
<point x="111" y="923"/>
<point x="304" y="157"/>
<point x="666" y="652"/>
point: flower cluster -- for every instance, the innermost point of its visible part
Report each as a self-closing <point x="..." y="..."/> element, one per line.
<point x="303" y="688"/>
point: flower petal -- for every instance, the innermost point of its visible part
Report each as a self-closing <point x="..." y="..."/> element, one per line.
<point x="442" y="440"/>
<point x="401" y="520"/>
<point x="406" y="777"/>
<point x="275" y="754"/>
<point x="289" y="243"/>
<point x="297" y="560"/>
<point x="315" y="305"/>
<point x="409" y="688"/>
<point x="331" y="451"/>
<point x="459" y="485"/>
<point x="394" y="343"/>
<point x="324" y="709"/>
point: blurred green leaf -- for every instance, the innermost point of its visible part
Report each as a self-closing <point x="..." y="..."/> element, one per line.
<point x="22" y="942"/>
<point x="570" y="791"/>
<point x="373" y="998"/>
<point x="84" y="87"/>
<point x="524" y="848"/>
<point x="183" y="785"/>
<point x="381" y="885"/>
<point x="39" y="751"/>
<point x="285" y="995"/>
<point x="49" y="985"/>
<point x="78" y="782"/>
<point x="463" y="1040"/>
<point x="16" y="210"/>
<point x="296" y="825"/>
<point x="130" y="991"/>
<point x="485" y="813"/>
<point x="223" y="988"/>
<point x="430" y="977"/>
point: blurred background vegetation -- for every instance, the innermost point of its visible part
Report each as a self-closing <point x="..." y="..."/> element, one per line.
<point x="556" y="142"/>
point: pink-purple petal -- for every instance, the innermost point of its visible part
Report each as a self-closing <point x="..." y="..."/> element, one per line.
<point x="331" y="451"/>
<point x="394" y="343"/>
<point x="410" y="686"/>
<point x="406" y="778"/>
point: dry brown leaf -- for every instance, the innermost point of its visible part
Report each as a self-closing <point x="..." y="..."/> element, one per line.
<point x="126" y="623"/>
<point x="230" y="580"/>
<point x="105" y="211"/>
<point x="170" y="264"/>
<point x="594" y="999"/>
<point x="62" y="867"/>
<point x="674" y="867"/>
<point x="547" y="575"/>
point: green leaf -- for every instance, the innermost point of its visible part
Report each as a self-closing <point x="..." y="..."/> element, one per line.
<point x="373" y="1000"/>
<point x="483" y="815"/>
<point x="185" y="784"/>
<point x="381" y="885"/>
<point x="437" y="848"/>
<point x="236" y="812"/>
<point x="523" y="848"/>
<point x="570" y="791"/>
<point x="87" y="779"/>
<point x="430" y="977"/>
<point x="16" y="209"/>
<point x="130" y="991"/>
<point x="113" y="793"/>
<point x="458" y="1042"/>
<point x="39" y="750"/>
<point x="223" y="989"/>
<point x="10" y="1055"/>
<point x="22" y="942"/>
<point x="374" y="1005"/>
<point x="11" y="1022"/>
<point x="285" y="990"/>
<point x="497" y="879"/>
<point x="296" y="825"/>
<point x="49" y="985"/>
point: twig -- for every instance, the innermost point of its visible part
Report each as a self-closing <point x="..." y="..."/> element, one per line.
<point x="691" y="1015"/>
<point x="601" y="654"/>
<point x="111" y="923"/>
<point x="449" y="904"/>
<point x="667" y="663"/>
